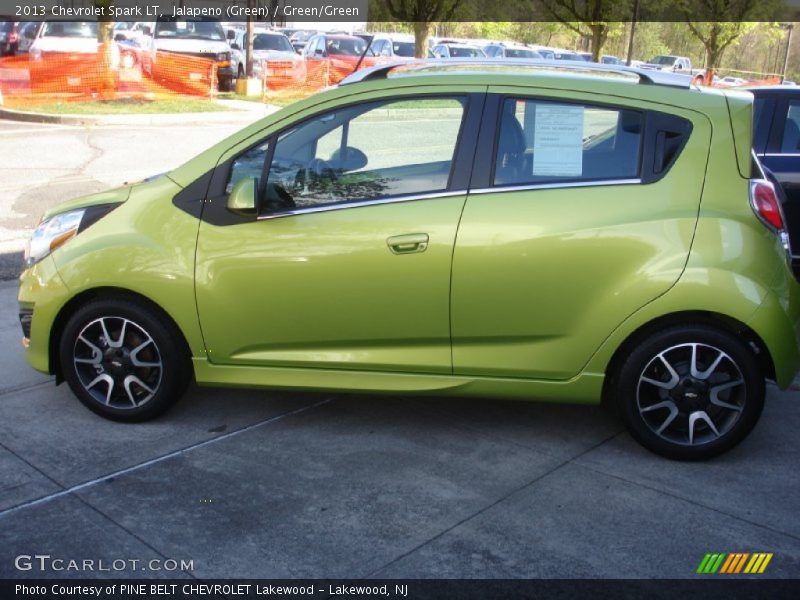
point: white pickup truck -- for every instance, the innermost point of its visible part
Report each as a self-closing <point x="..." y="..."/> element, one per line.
<point x="68" y="38"/>
<point x="662" y="62"/>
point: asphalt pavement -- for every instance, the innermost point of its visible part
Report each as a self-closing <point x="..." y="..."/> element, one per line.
<point x="275" y="484"/>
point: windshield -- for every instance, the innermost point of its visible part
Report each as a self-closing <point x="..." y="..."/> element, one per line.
<point x="465" y="52"/>
<point x="72" y="29"/>
<point x="663" y="60"/>
<point x="195" y="30"/>
<point x="346" y="46"/>
<point x="403" y="48"/>
<point x="266" y="41"/>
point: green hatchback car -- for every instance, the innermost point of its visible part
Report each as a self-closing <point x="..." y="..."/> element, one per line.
<point x="507" y="231"/>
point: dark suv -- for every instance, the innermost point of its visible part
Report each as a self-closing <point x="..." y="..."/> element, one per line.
<point x="776" y="141"/>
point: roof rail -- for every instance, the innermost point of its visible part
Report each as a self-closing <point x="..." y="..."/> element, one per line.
<point x="646" y="76"/>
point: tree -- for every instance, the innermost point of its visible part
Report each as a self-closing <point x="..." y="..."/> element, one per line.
<point x="720" y="23"/>
<point x="591" y="19"/>
<point x="422" y="13"/>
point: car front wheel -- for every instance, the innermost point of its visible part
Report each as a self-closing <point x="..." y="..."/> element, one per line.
<point x="690" y="392"/>
<point x="124" y="360"/>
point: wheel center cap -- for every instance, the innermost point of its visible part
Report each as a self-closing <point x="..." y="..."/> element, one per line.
<point x="692" y="393"/>
<point x="117" y="360"/>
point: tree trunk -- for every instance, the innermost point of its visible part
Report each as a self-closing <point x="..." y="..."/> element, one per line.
<point x="599" y="35"/>
<point x="713" y="56"/>
<point x="421" y="32"/>
<point x="105" y="54"/>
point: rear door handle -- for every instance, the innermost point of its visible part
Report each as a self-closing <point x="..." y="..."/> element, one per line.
<point x="408" y="243"/>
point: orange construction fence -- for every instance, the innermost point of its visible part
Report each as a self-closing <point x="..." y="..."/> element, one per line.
<point x="110" y="73"/>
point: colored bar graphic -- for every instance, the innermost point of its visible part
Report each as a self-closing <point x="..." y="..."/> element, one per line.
<point x="734" y="563"/>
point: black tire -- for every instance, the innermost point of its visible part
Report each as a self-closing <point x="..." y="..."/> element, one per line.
<point x="122" y="376"/>
<point x="705" y="412"/>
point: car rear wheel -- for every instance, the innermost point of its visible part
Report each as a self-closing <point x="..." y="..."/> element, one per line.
<point x="690" y="392"/>
<point x="124" y="360"/>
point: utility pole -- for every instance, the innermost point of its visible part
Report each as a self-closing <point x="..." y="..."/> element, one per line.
<point x="790" y="27"/>
<point x="248" y="40"/>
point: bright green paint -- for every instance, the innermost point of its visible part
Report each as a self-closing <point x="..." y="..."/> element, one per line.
<point x="492" y="307"/>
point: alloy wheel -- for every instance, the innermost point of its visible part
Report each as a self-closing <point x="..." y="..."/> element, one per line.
<point x="691" y="394"/>
<point x="117" y="362"/>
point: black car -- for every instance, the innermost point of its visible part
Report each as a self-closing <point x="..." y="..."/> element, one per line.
<point x="776" y="141"/>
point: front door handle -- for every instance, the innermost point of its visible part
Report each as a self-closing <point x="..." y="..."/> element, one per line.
<point x="408" y="243"/>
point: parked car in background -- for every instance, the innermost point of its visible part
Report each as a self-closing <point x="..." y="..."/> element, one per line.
<point x="546" y="52"/>
<point x="392" y="46"/>
<point x="274" y="46"/>
<point x="325" y="45"/>
<point x="299" y="39"/>
<point x="9" y="37"/>
<point x="776" y="141"/>
<point x="730" y="81"/>
<point x="669" y="63"/>
<point x="567" y="55"/>
<point x="565" y="236"/>
<point x="607" y="59"/>
<point x="455" y="50"/>
<point x="510" y="51"/>
<point x="203" y="39"/>
<point x="329" y="57"/>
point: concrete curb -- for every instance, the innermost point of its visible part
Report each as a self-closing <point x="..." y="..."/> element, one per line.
<point x="239" y="116"/>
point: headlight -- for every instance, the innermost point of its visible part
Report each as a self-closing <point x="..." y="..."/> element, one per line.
<point x="51" y="234"/>
<point x="223" y="56"/>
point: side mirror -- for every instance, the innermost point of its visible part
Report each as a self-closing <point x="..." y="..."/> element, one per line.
<point x="147" y="31"/>
<point x="318" y="52"/>
<point x="242" y="199"/>
<point x="231" y="35"/>
<point x="119" y="38"/>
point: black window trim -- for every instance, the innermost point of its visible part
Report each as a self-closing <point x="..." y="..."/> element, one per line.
<point x="463" y="153"/>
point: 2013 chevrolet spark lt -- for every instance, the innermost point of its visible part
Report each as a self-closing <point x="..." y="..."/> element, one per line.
<point x="513" y="233"/>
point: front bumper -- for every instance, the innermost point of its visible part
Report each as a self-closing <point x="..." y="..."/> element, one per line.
<point x="42" y="294"/>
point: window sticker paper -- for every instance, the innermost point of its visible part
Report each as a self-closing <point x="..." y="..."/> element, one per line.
<point x="558" y="141"/>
